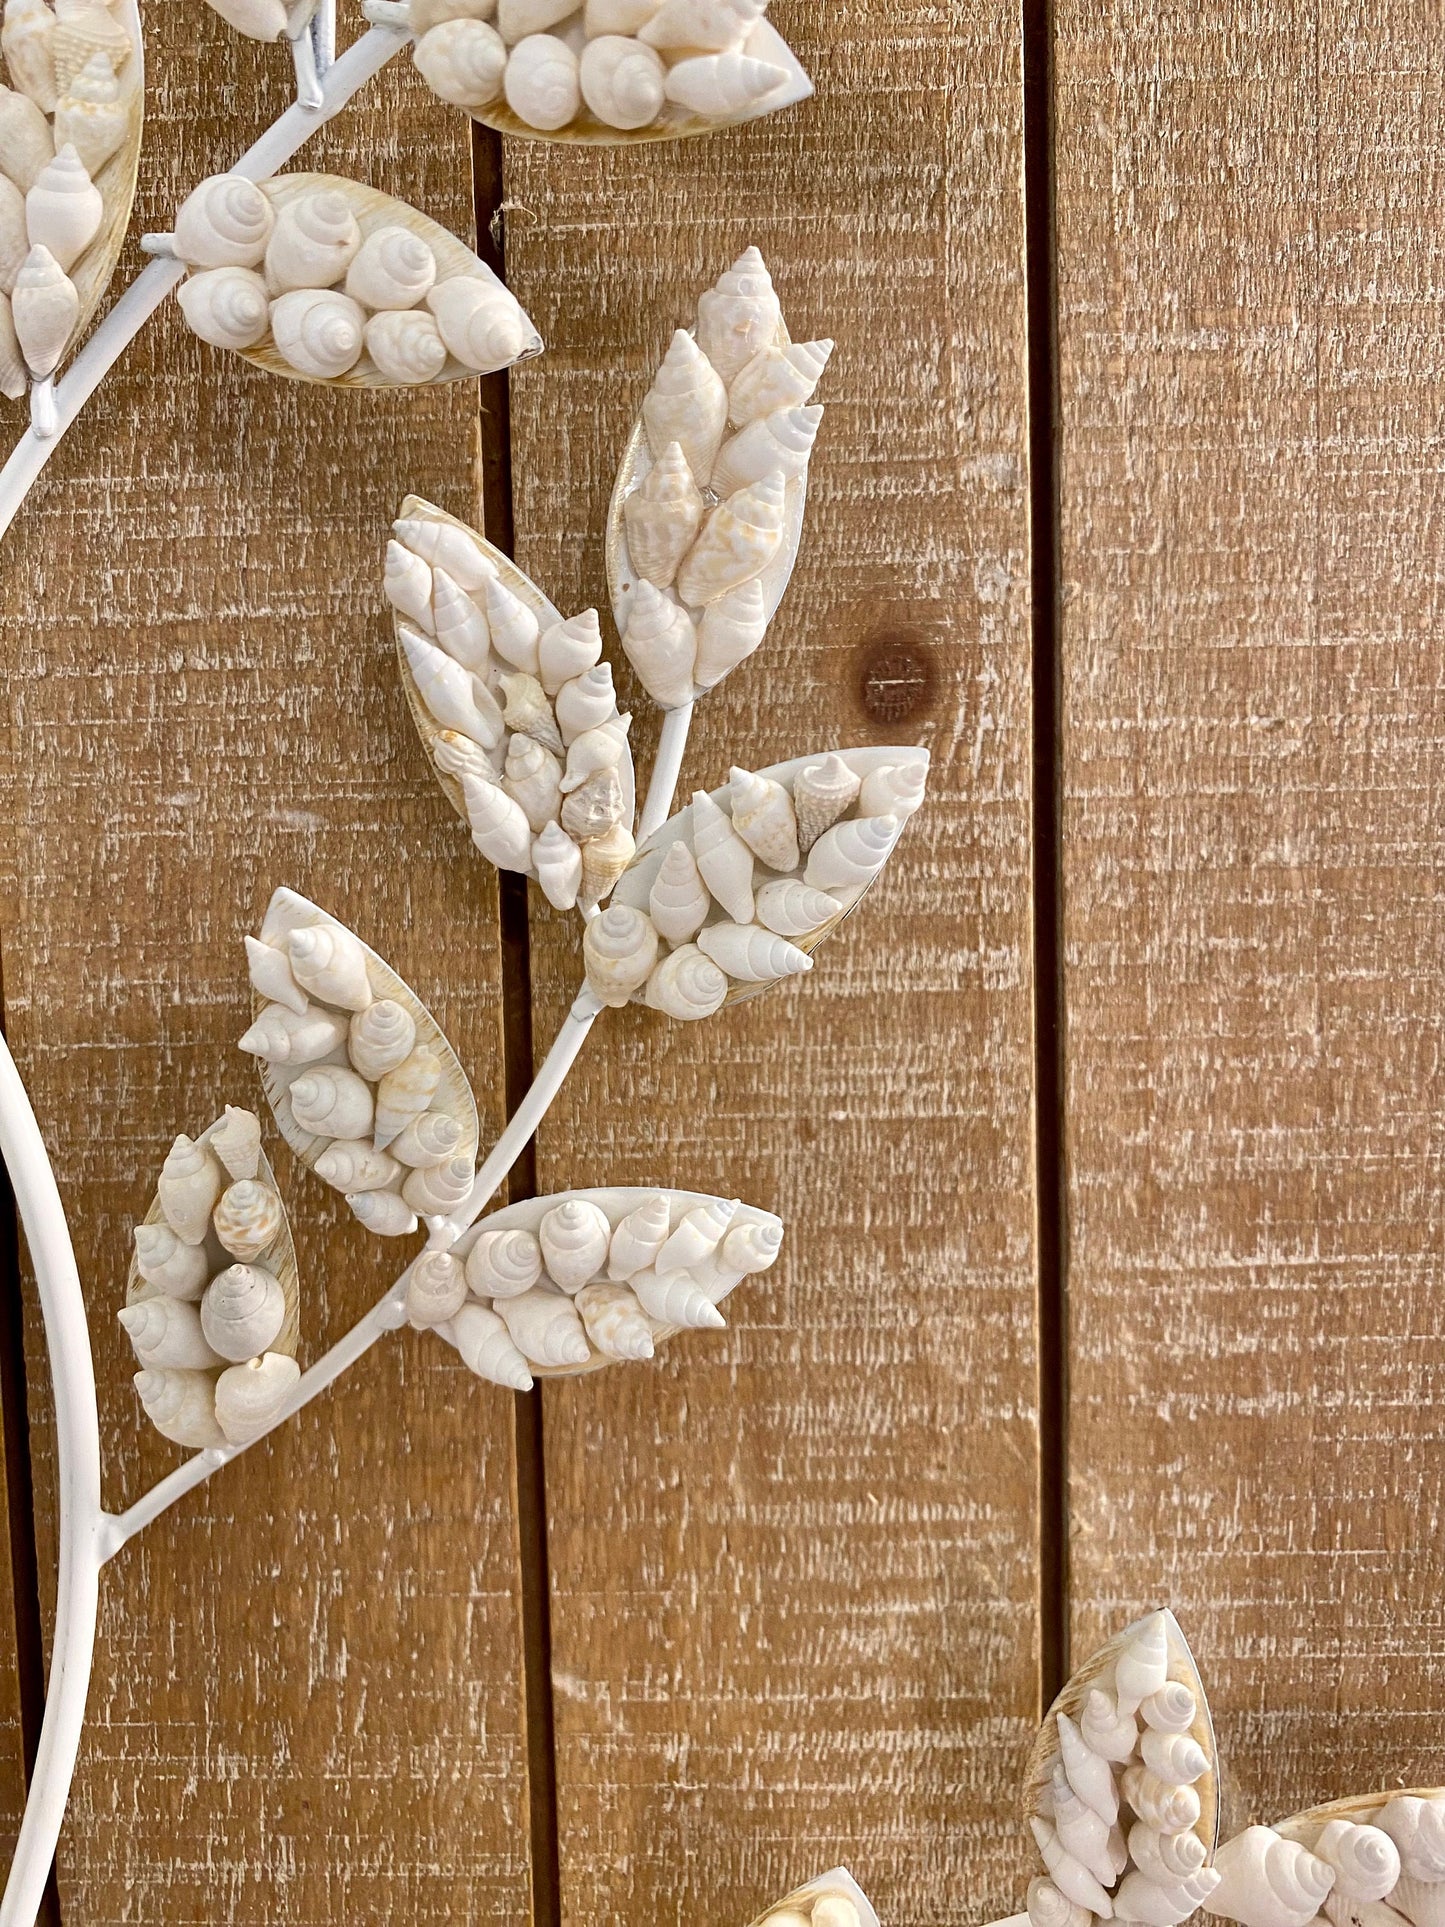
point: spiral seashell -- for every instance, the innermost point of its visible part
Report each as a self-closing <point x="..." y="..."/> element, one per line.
<point x="585" y="702"/>
<point x="236" y="1141"/>
<point x="447" y="546"/>
<point x="354" y="1164"/>
<point x="762" y="815"/>
<point x="167" y="1332"/>
<point x="738" y="541"/>
<point x="504" y="1264"/>
<point x="724" y="860"/>
<point x="45" y="308"/>
<point x="1081" y="1831"/>
<point x="431" y="1139"/>
<point x="557" y="862"/>
<point x="330" y="963"/>
<point x="594" y="750"/>
<point x="894" y="789"/>
<point x="574" y="1237"/>
<point x="458" y="624"/>
<point x="740" y="315"/>
<point x="621" y="81"/>
<point x="619" y="949"/>
<point x="542" y="83"/>
<point x="528" y="710"/>
<point x="594" y="807"/>
<point x="499" y="825"/>
<point x="269" y="970"/>
<point x="178" y="1269"/>
<point x="27" y="40"/>
<point x="703" y="26"/>
<point x="661" y="644"/>
<point x="678" y="901"/>
<point x="750" y="955"/>
<point x="723" y="85"/>
<point x="14" y="375"/>
<point x="1087" y="1774"/>
<point x="1142" y="1668"/>
<point x="250" y="1397"/>
<point x="638" y="1238"/>
<point x="281" y="1037"/>
<point x="698" y="1235"/>
<point x="730" y="630"/>
<point x="384" y="1213"/>
<point x="604" y="858"/>
<point x="1047" y="1907"/>
<point x="479" y="321"/>
<point x="330" y="1101"/>
<point x="776" y="378"/>
<point x="514" y="630"/>
<point x="380" y="1037"/>
<point x="436" y="1289"/>
<point x="687" y="404"/>
<point x="1154" y="1903"/>
<point x="181" y="1405"/>
<point x="432" y="1190"/>
<point x="851" y="854"/>
<point x="686" y="985"/>
<point x="227" y="307"/>
<point x="676" y="1300"/>
<point x="456" y="699"/>
<point x="404" y="1093"/>
<point x="459" y="756"/>
<point x="242" y="1312"/>
<point x="1365" y="1859"/>
<point x="1417" y="1827"/>
<point x="822" y="791"/>
<point x="1168" y="1809"/>
<point x="91" y="116"/>
<point x="751" y="1247"/>
<point x="226" y="222"/>
<point x="247" y="1218"/>
<point x="780" y="443"/>
<point x="315" y="240"/>
<point x="257" y="19"/>
<point x="545" y="1328"/>
<point x="395" y="269"/>
<point x="662" y="516"/>
<point x="567" y="649"/>
<point x="1165" y="1857"/>
<point x="1176" y="1757"/>
<point x="533" y="780"/>
<point x="407" y="584"/>
<point x="462" y="61"/>
<point x="83" y="29"/>
<point x="1267" y="1881"/>
<point x="614" y="1321"/>
<point x="318" y="332"/>
<point x="486" y="1347"/>
<point x="26" y="140"/>
<point x="1106" y="1732"/>
<point x="190" y="1183"/>
<point x="406" y="347"/>
<point x="1070" y="1876"/>
<point x="426" y="14"/>
<point x="791" y="909"/>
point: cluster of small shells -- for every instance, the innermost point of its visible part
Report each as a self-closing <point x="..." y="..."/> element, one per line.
<point x="1378" y="1862"/>
<point x="364" y="1086"/>
<point x="518" y="711"/>
<point x="325" y="279"/>
<point x="211" y="1304"/>
<point x="750" y="880"/>
<point x="608" y="67"/>
<point x="265" y="19"/>
<point x="589" y="1278"/>
<point x="1124" y="1807"/>
<point x="704" y="521"/>
<point x="69" y="136"/>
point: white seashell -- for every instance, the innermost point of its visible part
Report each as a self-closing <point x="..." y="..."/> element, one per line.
<point x="257" y="19"/>
<point x="604" y="858"/>
<point x="1267" y="1881"/>
<point x="662" y="514"/>
<point x="434" y="1189"/>
<point x="226" y="222"/>
<point x="557" y="862"/>
<point x="380" y="1037"/>
<point x="315" y="240"/>
<point x="454" y="697"/>
<point x="487" y="1349"/>
<point x="1168" y="1809"/>
<point x="851" y="853"/>
<point x="619" y="948"/>
<point x="687" y="404"/>
<point x="585" y="702"/>
<point x="568" y="649"/>
<point x="14" y="375"/>
<point x="543" y="82"/>
<point x="676" y="1300"/>
<point x="513" y="628"/>
<point x="1417" y="1827"/>
<point x="45" y="307"/>
<point x="331" y="1101"/>
<point x="1069" y="1875"/>
<point x="167" y="1332"/>
<point x="545" y="1328"/>
<point x="330" y="963"/>
<point x="243" y="1312"/>
<point x="621" y="81"/>
<point x="617" y="16"/>
<point x="406" y="347"/>
<point x="594" y="806"/>
<point x="750" y="955"/>
<point x="431" y="1139"/>
<point x="718" y="85"/>
<point x="791" y="909"/>
<point x="751" y="1247"/>
<point x="1162" y="1903"/>
<point x="354" y="1164"/>
<point x="1142" y="1668"/>
<point x="896" y="789"/>
<point x="26" y="140"/>
<point x="407" y="583"/>
<point x="281" y="1037"/>
<point x="1166" y="1857"/>
<point x="462" y="61"/>
<point x="528" y="710"/>
<point x="776" y="378"/>
<point x="614" y="1321"/>
<point x="533" y="780"/>
<point x="91" y="116"/>
<point x="270" y="974"/>
<point x="778" y="443"/>
<point x="1081" y="1831"/>
<point x="384" y="1213"/>
<point x="741" y="314"/>
<point x="574" y="1237"/>
<point x="228" y="307"/>
<point x="190" y="1183"/>
<point x="83" y="29"/>
<point x="247" y="1218"/>
<point x="699" y="1233"/>
<point x="447" y="546"/>
<point x="1086" y="1772"/>
<point x="661" y="644"/>
<point x="725" y="861"/>
<point x="1047" y="1907"/>
<point x="64" y="209"/>
<point x="318" y="332"/>
<point x="181" y="1405"/>
<point x="595" y="749"/>
<point x="169" y="1263"/>
<point x="27" y="40"/>
<point x="730" y="630"/>
<point x="403" y="1094"/>
<point x="499" y="825"/>
<point x="426" y="14"/>
<point x="436" y="1289"/>
<point x="1107" y="1732"/>
<point x="638" y="1238"/>
<point x="459" y="756"/>
<point x="762" y="815"/>
<point x="738" y="541"/>
<point x="394" y="269"/>
<point x="686" y="985"/>
<point x="702" y="26"/>
<point x="249" y="1397"/>
<point x="1176" y="1757"/>
<point x="480" y="322"/>
<point x="678" y="901"/>
<point x="516" y="19"/>
<point x="504" y="1264"/>
<point x="1365" y="1859"/>
<point x="821" y="793"/>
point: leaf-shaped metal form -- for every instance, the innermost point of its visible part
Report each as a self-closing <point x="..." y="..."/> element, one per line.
<point x="515" y="707"/>
<point x="707" y="510"/>
<point x="1373" y="1860"/>
<point x="212" y="1297"/>
<point x="553" y="1287"/>
<point x="737" y="891"/>
<point x="361" y="1079"/>
<point x="834" y="1899"/>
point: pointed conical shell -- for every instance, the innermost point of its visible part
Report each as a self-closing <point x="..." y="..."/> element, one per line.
<point x="1168" y="1809"/>
<point x="1142" y="1667"/>
<point x="604" y="858"/>
<point x="545" y="1328"/>
<point x="676" y="1300"/>
<point x="687" y="405"/>
<point x="166" y="1332"/>
<point x="703" y="26"/>
<point x="722" y="85"/>
<point x="622" y="81"/>
<point x="791" y="909"/>
<point x="740" y="316"/>
<point x="678" y="902"/>
<point x="26" y="140"/>
<point x="500" y="828"/>
<point x="404" y="1093"/>
<point x="453" y="697"/>
<point x="639" y="1237"/>
<point x="533" y="780"/>
<point x="190" y="1183"/>
<point x="595" y="749"/>
<point x="780" y="443"/>
<point x="247" y="1218"/>
<point x="852" y="853"/>
<point x="586" y="702"/>
<point x="528" y="710"/>
<point x="504" y="1264"/>
<point x="331" y="1101"/>
<point x="406" y="347"/>
<point x="574" y="1237"/>
<point x="1108" y="1732"/>
<point x="738" y="541"/>
<point x="1087" y="1774"/>
<point x="225" y="222"/>
<point x="1047" y="1907"/>
<point x="762" y="815"/>
<point x="354" y="1164"/>
<point x="751" y="1247"/>
<point x="27" y="40"/>
<point x="514" y="629"/>
<point x="393" y="269"/>
<point x="776" y="378"/>
<point x="750" y="955"/>
<point x="893" y="789"/>
<point x="594" y="806"/>
<point x="620" y="948"/>
<point x="169" y="1263"/>
<point x="446" y="545"/>
<point x="1175" y="1757"/>
<point x="434" y="1189"/>
<point x="459" y="756"/>
<point x="227" y="307"/>
<point x="250" y="1397"/>
<point x="724" y="859"/>
<point x="567" y="649"/>
<point x="543" y="82"/>
<point x="83" y="29"/>
<point x="661" y="644"/>
<point x="92" y="117"/>
<point x="697" y="1237"/>
<point x="462" y="61"/>
<point x="1266" y="1881"/>
<point x="480" y="322"/>
<point x="281" y="1037"/>
<point x="433" y="1138"/>
<point x="315" y="240"/>
<point x="1173" y="1709"/>
<point x="181" y="1405"/>
<point x="487" y="1349"/>
<point x="686" y="985"/>
<point x="436" y="1289"/>
<point x="1070" y="1875"/>
<point x="380" y="1037"/>
<point x="730" y="630"/>
<point x="1081" y="1831"/>
<point x="615" y="1322"/>
<point x="45" y="307"/>
<point x="330" y="963"/>
<point x="384" y="1213"/>
<point x="243" y="1312"/>
<point x="1165" y="1856"/>
<point x="662" y="516"/>
<point x="458" y="624"/>
<point x="557" y="861"/>
<point x="407" y="585"/>
<point x="236" y="1141"/>
<point x="318" y="332"/>
<point x="822" y="791"/>
<point x="1366" y="1861"/>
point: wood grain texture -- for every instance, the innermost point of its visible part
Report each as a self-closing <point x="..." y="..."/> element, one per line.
<point x="793" y="1566"/>
<point x="307" y="1696"/>
<point x="1250" y="206"/>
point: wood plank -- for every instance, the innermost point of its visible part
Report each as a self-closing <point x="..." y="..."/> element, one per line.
<point x="793" y="1566"/>
<point x="1250" y="204"/>
<point x="307" y="1695"/>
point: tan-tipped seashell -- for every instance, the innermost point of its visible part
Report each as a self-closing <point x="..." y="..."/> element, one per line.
<point x="27" y="141"/>
<point x="533" y="780"/>
<point x="604" y="858"/>
<point x="528" y="710"/>
<point x="92" y="117"/>
<point x="617" y="16"/>
<point x="406" y="583"/>
<point x="662" y="516"/>
<point x="27" y="40"/>
<point x="431" y="1139"/>
<point x="486" y="1347"/>
<point x="594" y="806"/>
<point x="724" y="859"/>
<point x="614" y="1321"/>
<point x="386" y="1214"/>
<point x="447" y="545"/>
<point x="622" y="81"/>
<point x="499" y="825"/>
<point x="281" y="1037"/>
<point x="619" y="949"/>
<point x="480" y="323"/>
<point x="330" y="964"/>
<point x="434" y="1189"/>
<point x="14" y="375"/>
<point x="45" y="307"/>
<point x="585" y="702"/>
<point x="458" y="624"/>
<point x="462" y="61"/>
<point x="170" y="1264"/>
<point x="730" y="630"/>
<point x="703" y="26"/>
<point x="686" y="404"/>
<point x="893" y="789"/>
<point x="661" y="644"/>
<point x="545" y="1328"/>
<point x="190" y="1183"/>
<point x="318" y="332"/>
<point x="315" y="240"/>
<point x="594" y="750"/>
<point x="790" y="909"/>
<point x="542" y="83"/>
<point x="699" y="1233"/>
<point x="676" y="1300"/>
<point x="780" y="443"/>
<point x="243" y="1312"/>
<point x="678" y="901"/>
<point x="514" y="628"/>
<point x="455" y="698"/>
<point x="776" y="378"/>
<point x="851" y="853"/>
<point x="354" y="1164"/>
<point x="331" y="1101"/>
<point x="236" y="1141"/>
<point x="436" y="1289"/>
<point x="762" y="815"/>
<point x="380" y="1038"/>
<point x="639" y="1237"/>
<point x="250" y="1397"/>
<point x="566" y="650"/>
<point x="226" y="222"/>
<point x="750" y="955"/>
<point x="406" y="347"/>
<point x="504" y="1264"/>
<point x="459" y="756"/>
<point x="181" y="1405"/>
<point x="822" y="791"/>
<point x="247" y="1218"/>
<point x="167" y="1332"/>
<point x="557" y="861"/>
<point x="722" y="85"/>
<point x="83" y="29"/>
<point x="686" y="985"/>
<point x="228" y="307"/>
<point x="393" y="269"/>
<point x="751" y="1247"/>
<point x="738" y="541"/>
<point x="1267" y="1881"/>
<point x="258" y="19"/>
<point x="740" y="315"/>
<point x="404" y="1093"/>
<point x="574" y="1237"/>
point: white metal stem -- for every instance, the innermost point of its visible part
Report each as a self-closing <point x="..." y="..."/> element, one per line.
<point x="308" y="77"/>
<point x="662" y="784"/>
<point x="323" y="35"/>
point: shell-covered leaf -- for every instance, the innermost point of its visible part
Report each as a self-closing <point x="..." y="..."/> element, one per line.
<point x="326" y="280"/>
<point x="556" y="1286"/>
<point x="361" y="1080"/>
<point x="834" y="1899"/>
<point x="1375" y="1857"/>
<point x="707" y="509"/>
<point x="515" y="706"/>
<point x="738" y="890"/>
<point x="265" y="19"/>
<point x="212" y="1297"/>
